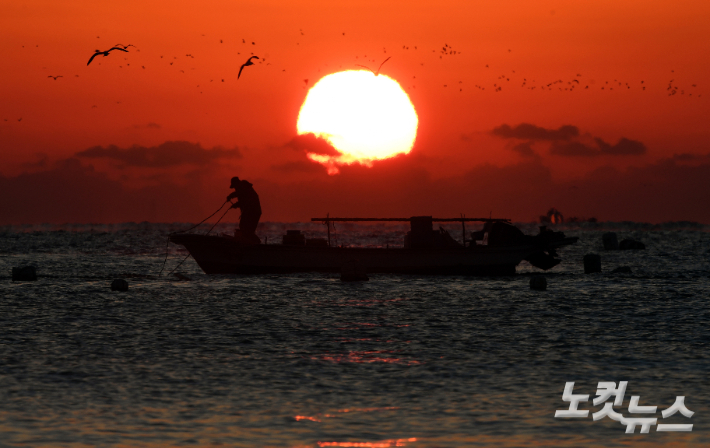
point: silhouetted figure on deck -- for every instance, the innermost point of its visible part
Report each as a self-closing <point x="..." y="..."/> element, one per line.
<point x="248" y="202"/>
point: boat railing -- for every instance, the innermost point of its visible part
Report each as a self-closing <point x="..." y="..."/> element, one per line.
<point x="463" y="220"/>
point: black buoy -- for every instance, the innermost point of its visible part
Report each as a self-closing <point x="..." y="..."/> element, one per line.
<point x="24" y="274"/>
<point x="538" y="282"/>
<point x="119" y="285"/>
<point x="622" y="270"/>
<point x="353" y="272"/>
<point x="592" y="263"/>
<point x="610" y="241"/>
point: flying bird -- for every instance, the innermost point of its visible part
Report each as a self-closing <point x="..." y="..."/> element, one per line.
<point x="105" y="53"/>
<point x="125" y="47"/>
<point x="55" y="77"/>
<point x="378" y="69"/>
<point x="247" y="63"/>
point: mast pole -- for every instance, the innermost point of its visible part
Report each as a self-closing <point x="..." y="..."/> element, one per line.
<point x="327" y="223"/>
<point x="463" y="229"/>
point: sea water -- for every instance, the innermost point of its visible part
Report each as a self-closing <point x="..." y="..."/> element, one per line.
<point x="304" y="360"/>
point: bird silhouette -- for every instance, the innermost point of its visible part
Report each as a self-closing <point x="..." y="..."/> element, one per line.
<point x="125" y="47"/>
<point x="378" y="69"/>
<point x="55" y="77"/>
<point x="104" y="53"/>
<point x="247" y="63"/>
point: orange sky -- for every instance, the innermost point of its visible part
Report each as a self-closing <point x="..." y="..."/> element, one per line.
<point x="458" y="164"/>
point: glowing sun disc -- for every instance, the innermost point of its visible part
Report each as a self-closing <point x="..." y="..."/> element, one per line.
<point x="365" y="117"/>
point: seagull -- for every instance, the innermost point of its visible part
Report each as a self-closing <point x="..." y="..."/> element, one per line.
<point x="104" y="53"/>
<point x="55" y="77"/>
<point x="247" y="63"/>
<point x="125" y="47"/>
<point x="378" y="69"/>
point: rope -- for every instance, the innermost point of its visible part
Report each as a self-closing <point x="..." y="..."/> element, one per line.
<point x="185" y="231"/>
<point x="208" y="232"/>
<point x="167" y="243"/>
<point x="183" y="260"/>
<point x="220" y="218"/>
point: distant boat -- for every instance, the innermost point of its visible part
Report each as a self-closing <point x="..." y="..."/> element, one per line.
<point x="495" y="250"/>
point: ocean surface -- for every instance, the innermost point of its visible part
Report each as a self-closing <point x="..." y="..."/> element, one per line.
<point x="305" y="360"/>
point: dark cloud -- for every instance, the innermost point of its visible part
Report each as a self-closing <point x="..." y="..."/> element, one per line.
<point x="663" y="191"/>
<point x="41" y="162"/>
<point x="687" y="157"/>
<point x="573" y="149"/>
<point x="150" y="125"/>
<point x="527" y="131"/>
<point x="566" y="141"/>
<point x="299" y="166"/>
<point x="168" y="154"/>
<point x="624" y="147"/>
<point x="70" y="191"/>
<point x="524" y="149"/>
<point x="312" y="144"/>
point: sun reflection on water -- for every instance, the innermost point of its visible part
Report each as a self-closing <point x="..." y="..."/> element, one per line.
<point x="379" y="444"/>
<point x="318" y="417"/>
<point x="365" y="356"/>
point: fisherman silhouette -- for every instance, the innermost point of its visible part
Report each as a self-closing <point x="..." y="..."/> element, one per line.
<point x="248" y="202"/>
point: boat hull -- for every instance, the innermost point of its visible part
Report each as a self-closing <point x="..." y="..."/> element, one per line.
<point x="223" y="255"/>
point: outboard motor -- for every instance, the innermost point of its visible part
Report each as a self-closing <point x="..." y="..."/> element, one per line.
<point x="503" y="234"/>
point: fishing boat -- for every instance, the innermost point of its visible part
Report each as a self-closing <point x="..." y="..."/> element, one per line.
<point x="495" y="250"/>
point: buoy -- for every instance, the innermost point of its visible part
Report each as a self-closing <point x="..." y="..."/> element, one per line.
<point x="353" y="272"/>
<point x="610" y="241"/>
<point x="538" y="282"/>
<point x="592" y="263"/>
<point x="119" y="285"/>
<point x="622" y="270"/>
<point x="24" y="274"/>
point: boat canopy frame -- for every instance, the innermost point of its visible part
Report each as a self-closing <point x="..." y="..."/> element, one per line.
<point x="463" y="220"/>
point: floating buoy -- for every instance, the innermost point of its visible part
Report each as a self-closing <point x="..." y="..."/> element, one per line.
<point x="24" y="274"/>
<point x="119" y="285"/>
<point x="592" y="263"/>
<point x="622" y="270"/>
<point x="538" y="282"/>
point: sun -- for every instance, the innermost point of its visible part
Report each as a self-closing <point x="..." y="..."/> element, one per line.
<point x="365" y="117"/>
